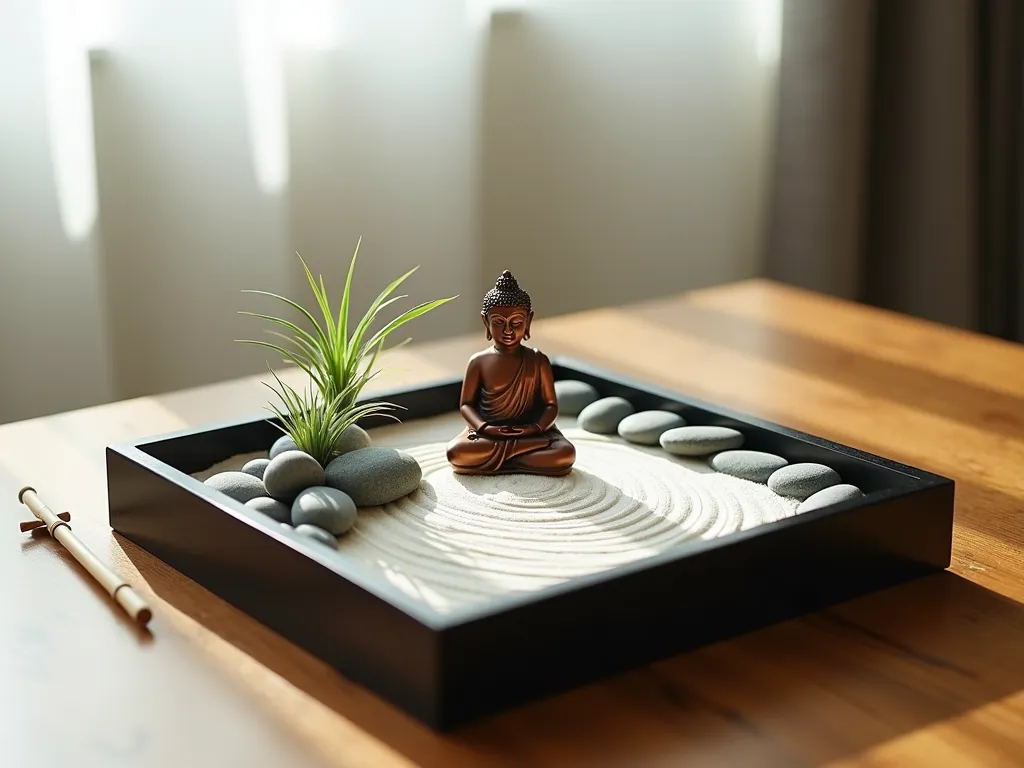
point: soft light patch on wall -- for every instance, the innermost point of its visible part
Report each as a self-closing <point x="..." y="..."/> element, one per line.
<point x="310" y="24"/>
<point x="265" y="29"/>
<point x="99" y="19"/>
<point x="768" y="30"/>
<point x="69" y="112"/>
<point x="479" y="12"/>
<point x="765" y="15"/>
<point x="263" y="83"/>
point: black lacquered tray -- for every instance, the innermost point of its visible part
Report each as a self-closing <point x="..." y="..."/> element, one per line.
<point x="449" y="669"/>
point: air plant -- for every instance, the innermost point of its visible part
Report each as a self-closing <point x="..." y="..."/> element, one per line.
<point x="339" y="363"/>
<point x="314" y="424"/>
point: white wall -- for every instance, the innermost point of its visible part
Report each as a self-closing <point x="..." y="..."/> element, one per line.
<point x="52" y="309"/>
<point x="624" y="148"/>
<point x="383" y="145"/>
<point x="605" y="151"/>
<point x="185" y="225"/>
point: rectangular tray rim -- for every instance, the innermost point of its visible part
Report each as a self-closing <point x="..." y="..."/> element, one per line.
<point x="352" y="572"/>
<point x="927" y="477"/>
<point x="133" y="451"/>
<point x="581" y="366"/>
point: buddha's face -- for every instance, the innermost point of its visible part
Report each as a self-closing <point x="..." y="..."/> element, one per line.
<point x="508" y="326"/>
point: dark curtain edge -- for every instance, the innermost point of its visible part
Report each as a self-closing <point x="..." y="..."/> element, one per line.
<point x="1000" y="92"/>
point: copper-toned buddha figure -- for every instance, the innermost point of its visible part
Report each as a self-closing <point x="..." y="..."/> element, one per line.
<point x="508" y="397"/>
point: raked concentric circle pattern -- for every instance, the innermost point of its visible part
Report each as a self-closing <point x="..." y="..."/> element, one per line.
<point x="461" y="539"/>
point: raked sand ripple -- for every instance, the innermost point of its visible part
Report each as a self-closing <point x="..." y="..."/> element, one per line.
<point x="461" y="539"/>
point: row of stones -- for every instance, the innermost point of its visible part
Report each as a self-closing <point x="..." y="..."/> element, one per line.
<point x="294" y="489"/>
<point x="814" y="485"/>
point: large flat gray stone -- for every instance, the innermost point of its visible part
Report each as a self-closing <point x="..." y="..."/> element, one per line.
<point x="291" y="472"/>
<point x="326" y="508"/>
<point x="831" y="495"/>
<point x="256" y="467"/>
<point x="282" y="444"/>
<point x="646" y="427"/>
<point x="573" y="396"/>
<point x="374" y="476"/>
<point x="799" y="481"/>
<point x="602" y="416"/>
<point x="273" y="508"/>
<point x="317" y="534"/>
<point x="240" y="486"/>
<point x="755" y="466"/>
<point x="700" y="440"/>
<point x="352" y="439"/>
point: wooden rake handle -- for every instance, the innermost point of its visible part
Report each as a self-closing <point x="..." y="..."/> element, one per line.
<point x="58" y="527"/>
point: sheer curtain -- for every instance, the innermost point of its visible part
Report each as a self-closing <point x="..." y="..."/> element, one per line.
<point x="159" y="156"/>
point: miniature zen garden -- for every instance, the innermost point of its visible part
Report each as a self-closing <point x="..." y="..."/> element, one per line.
<point x="527" y="482"/>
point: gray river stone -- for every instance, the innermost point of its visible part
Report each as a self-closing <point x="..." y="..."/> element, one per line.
<point x="799" y="481"/>
<point x="275" y="509"/>
<point x="603" y="416"/>
<point x="573" y="396"/>
<point x="256" y="467"/>
<point x="647" y="427"/>
<point x="291" y="472"/>
<point x="317" y="534"/>
<point x="755" y="466"/>
<point x="374" y="476"/>
<point x="240" y="486"/>
<point x="700" y="440"/>
<point x="282" y="444"/>
<point x="831" y="495"/>
<point x="352" y="439"/>
<point x="326" y="508"/>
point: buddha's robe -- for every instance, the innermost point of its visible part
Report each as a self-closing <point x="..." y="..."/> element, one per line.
<point x="516" y="403"/>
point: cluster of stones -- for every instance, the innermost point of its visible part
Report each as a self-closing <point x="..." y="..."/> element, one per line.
<point x="294" y="489"/>
<point x="814" y="485"/>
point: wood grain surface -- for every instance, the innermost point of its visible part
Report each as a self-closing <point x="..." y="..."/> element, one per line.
<point x="927" y="674"/>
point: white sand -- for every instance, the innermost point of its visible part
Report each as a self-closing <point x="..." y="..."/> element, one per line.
<point x="459" y="540"/>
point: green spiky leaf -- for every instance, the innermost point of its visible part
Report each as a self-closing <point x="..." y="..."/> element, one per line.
<point x="339" y="364"/>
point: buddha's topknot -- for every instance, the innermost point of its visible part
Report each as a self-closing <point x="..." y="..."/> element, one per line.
<point x="506" y="293"/>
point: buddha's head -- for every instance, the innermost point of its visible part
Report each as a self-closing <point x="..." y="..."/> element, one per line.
<point x="507" y="312"/>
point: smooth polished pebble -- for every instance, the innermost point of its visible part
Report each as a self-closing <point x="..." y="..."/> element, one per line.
<point x="800" y="481"/>
<point x="700" y="440"/>
<point x="282" y="444"/>
<point x="647" y="427"/>
<point x="317" y="534"/>
<point x="375" y="476"/>
<point x="352" y="439"/>
<point x="755" y="466"/>
<point x="573" y="396"/>
<point x="256" y="467"/>
<point x="291" y="472"/>
<point x="603" y="416"/>
<point x="831" y="495"/>
<point x="273" y="508"/>
<point x="240" y="486"/>
<point x="326" y="508"/>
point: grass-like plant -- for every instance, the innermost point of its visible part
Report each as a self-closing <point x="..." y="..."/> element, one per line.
<point x="314" y="424"/>
<point x="338" y="357"/>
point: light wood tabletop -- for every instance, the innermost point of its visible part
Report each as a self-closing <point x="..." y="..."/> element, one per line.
<point x="929" y="673"/>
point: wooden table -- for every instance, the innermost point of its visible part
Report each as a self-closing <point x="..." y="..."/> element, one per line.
<point x="930" y="673"/>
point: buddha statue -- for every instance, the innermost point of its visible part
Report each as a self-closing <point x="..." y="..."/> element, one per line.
<point x="508" y="397"/>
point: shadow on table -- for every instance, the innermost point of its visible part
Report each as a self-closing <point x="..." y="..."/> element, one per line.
<point x="41" y="538"/>
<point x="811" y="690"/>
